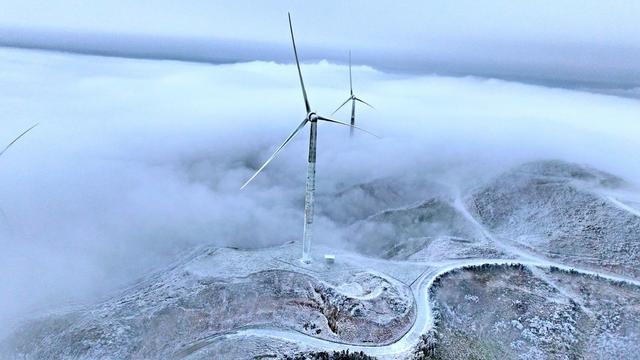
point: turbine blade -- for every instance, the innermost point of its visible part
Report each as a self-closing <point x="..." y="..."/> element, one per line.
<point x="350" y="81"/>
<point x="302" y="124"/>
<point x="295" y="52"/>
<point x="339" y="107"/>
<point x="16" y="139"/>
<point x="364" y="102"/>
<point x="345" y="124"/>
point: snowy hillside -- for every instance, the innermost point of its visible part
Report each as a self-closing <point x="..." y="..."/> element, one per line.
<point x="564" y="211"/>
<point x="542" y="266"/>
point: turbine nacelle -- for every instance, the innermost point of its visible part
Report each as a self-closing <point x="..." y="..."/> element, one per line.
<point x="312" y="117"/>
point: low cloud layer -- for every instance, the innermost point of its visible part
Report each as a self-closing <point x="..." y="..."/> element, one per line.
<point x="570" y="43"/>
<point x="135" y="161"/>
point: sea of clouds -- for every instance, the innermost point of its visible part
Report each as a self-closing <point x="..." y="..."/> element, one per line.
<point x="135" y="162"/>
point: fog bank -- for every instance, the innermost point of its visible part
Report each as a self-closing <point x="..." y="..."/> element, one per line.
<point x="137" y="161"/>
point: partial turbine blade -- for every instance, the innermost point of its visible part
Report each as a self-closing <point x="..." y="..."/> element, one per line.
<point x="16" y="139"/>
<point x="364" y="102"/>
<point x="345" y="124"/>
<point x="350" y="81"/>
<point x="339" y="107"/>
<point x="302" y="124"/>
<point x="295" y="52"/>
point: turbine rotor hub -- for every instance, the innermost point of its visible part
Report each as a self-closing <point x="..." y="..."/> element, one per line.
<point x="312" y="117"/>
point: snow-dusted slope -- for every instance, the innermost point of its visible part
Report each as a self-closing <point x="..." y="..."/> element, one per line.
<point x="530" y="313"/>
<point x="360" y="201"/>
<point x="563" y="232"/>
<point x="432" y="230"/>
<point x="221" y="290"/>
<point x="559" y="210"/>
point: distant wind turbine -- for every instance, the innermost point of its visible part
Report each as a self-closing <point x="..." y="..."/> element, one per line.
<point x="311" y="118"/>
<point x="16" y="139"/>
<point x="353" y="100"/>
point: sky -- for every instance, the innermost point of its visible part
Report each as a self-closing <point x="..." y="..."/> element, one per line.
<point x="567" y="43"/>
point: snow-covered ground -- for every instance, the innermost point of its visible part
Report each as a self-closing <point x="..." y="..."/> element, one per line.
<point x="225" y="298"/>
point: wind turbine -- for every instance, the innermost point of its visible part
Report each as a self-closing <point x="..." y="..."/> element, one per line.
<point x="2" y="213"/>
<point x="353" y="100"/>
<point x="311" y="118"/>
<point x="16" y="139"/>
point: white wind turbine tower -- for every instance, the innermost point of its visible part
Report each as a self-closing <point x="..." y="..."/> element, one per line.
<point x="311" y="118"/>
<point x="353" y="100"/>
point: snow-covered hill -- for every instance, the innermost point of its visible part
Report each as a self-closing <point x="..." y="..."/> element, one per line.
<point x="540" y="262"/>
<point x="178" y="311"/>
<point x="563" y="211"/>
<point x="529" y="313"/>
